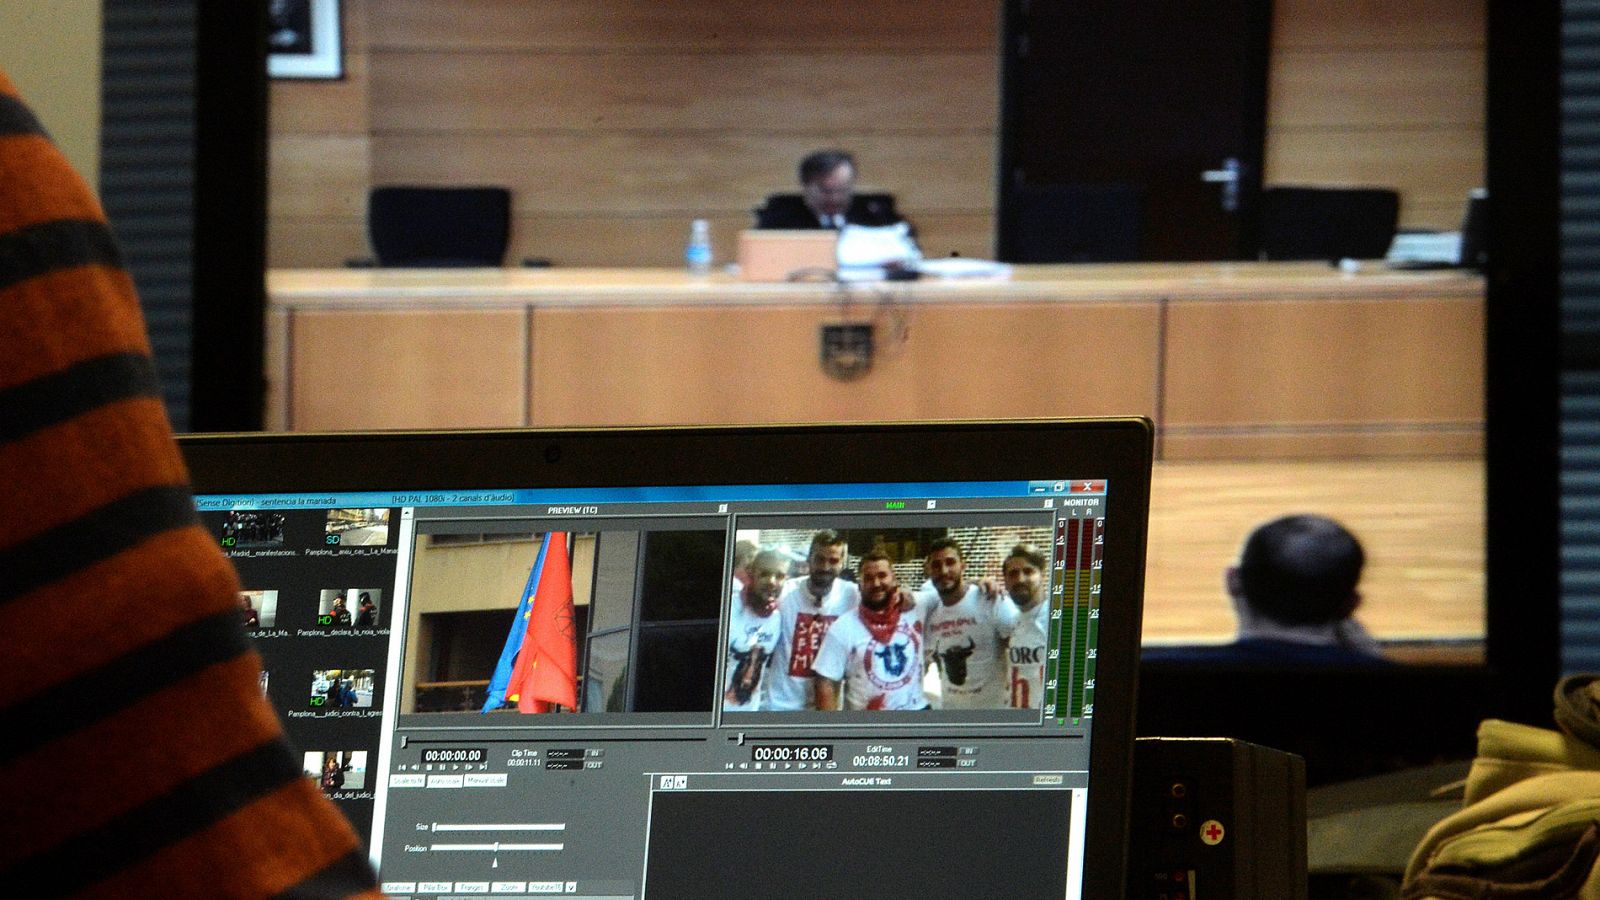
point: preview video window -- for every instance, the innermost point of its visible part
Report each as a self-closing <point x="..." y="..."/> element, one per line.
<point x="341" y="689"/>
<point x="349" y="607"/>
<point x="250" y="529"/>
<point x="941" y="617"/>
<point x="357" y="528"/>
<point x="337" y="770"/>
<point x="509" y="623"/>
<point x="260" y="609"/>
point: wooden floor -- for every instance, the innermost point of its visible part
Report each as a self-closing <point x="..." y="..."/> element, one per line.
<point x="1420" y="521"/>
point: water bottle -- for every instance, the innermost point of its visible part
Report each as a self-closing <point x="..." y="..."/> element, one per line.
<point x="698" y="253"/>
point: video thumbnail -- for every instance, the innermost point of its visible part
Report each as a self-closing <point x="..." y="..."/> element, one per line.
<point x="349" y="607"/>
<point x="242" y="530"/>
<point x="333" y="689"/>
<point x="334" y="771"/>
<point x="260" y="609"/>
<point x="357" y="528"/>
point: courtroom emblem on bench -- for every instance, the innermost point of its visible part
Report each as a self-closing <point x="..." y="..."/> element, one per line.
<point x="847" y="350"/>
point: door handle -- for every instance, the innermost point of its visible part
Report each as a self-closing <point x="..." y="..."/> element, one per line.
<point x="1228" y="176"/>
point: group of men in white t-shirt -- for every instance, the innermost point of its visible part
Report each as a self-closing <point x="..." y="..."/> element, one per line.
<point x="820" y="641"/>
<point x="990" y="650"/>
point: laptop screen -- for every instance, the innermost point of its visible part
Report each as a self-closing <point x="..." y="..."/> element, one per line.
<point x="701" y="688"/>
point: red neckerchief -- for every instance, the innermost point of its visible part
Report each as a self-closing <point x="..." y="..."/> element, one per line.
<point x="882" y="623"/>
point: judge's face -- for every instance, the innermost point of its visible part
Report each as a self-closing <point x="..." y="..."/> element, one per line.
<point x="830" y="194"/>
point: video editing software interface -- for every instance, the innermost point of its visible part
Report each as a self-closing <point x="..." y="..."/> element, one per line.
<point x="689" y="691"/>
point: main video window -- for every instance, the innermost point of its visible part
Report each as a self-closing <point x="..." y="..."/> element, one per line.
<point x="892" y="615"/>
<point x="681" y="621"/>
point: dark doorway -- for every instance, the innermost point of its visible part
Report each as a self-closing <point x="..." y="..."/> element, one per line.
<point x="1131" y="129"/>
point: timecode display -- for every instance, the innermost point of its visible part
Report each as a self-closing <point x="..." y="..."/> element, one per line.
<point x="791" y="753"/>
<point x="881" y="761"/>
<point x="454" y="755"/>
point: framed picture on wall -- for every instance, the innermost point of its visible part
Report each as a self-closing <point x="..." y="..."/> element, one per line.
<point x="304" y="39"/>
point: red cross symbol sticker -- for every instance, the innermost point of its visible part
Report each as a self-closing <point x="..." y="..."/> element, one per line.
<point x="1211" y="832"/>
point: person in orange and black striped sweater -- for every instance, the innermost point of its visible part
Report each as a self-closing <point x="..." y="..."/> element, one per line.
<point x="137" y="755"/>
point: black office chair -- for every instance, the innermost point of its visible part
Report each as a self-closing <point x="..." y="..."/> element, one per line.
<point x="439" y="227"/>
<point x="1327" y="223"/>
<point x="1056" y="223"/>
<point x="790" y="211"/>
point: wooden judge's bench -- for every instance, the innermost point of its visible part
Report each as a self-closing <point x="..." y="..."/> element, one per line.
<point x="1232" y="360"/>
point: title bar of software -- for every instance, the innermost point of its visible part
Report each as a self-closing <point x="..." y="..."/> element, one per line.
<point x="684" y="494"/>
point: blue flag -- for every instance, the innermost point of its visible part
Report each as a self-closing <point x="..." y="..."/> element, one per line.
<point x="519" y="628"/>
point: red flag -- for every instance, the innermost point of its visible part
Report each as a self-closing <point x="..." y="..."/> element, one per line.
<point x="546" y="668"/>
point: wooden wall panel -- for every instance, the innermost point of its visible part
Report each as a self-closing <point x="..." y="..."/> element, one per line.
<point x="625" y="114"/>
<point x="680" y="366"/>
<point x="1391" y="88"/>
<point x="1112" y="369"/>
<point x="1353" y="24"/>
<point x="275" y="370"/>
<point x="616" y="123"/>
<point x="318" y="175"/>
<point x="1422" y="211"/>
<point x="704" y="25"/>
<point x="1277" y="364"/>
<point x="319" y="158"/>
<point x="628" y="196"/>
<point x="735" y="92"/>
<point x="406" y="369"/>
<point x="317" y="242"/>
<point x="317" y="106"/>
<point x="629" y="173"/>
<point x="1380" y="93"/>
